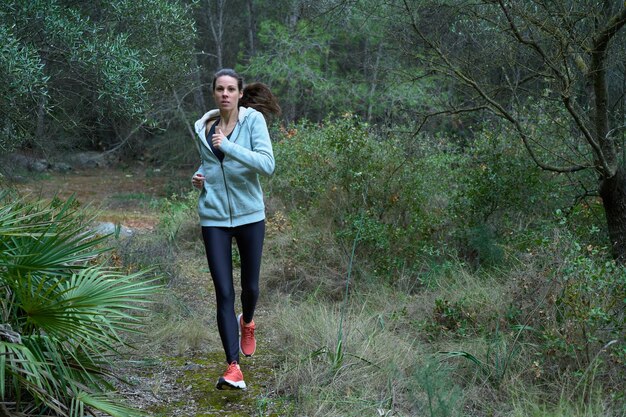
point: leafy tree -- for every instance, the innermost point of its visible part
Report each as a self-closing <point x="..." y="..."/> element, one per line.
<point x="91" y="67"/>
<point x="225" y="29"/>
<point x="163" y="34"/>
<point x="522" y="62"/>
<point x="62" y="316"/>
<point x="22" y="90"/>
<point x="294" y="66"/>
<point x="329" y="57"/>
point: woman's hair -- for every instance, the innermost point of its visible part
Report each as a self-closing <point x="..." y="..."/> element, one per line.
<point x="259" y="97"/>
<point x="255" y="95"/>
<point x="227" y="72"/>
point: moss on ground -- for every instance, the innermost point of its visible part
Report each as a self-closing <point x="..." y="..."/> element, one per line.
<point x="198" y="380"/>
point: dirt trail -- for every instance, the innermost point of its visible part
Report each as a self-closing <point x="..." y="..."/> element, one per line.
<point x="173" y="376"/>
<point x="122" y="196"/>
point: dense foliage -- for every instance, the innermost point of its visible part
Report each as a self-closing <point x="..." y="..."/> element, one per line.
<point x="92" y="71"/>
<point x="480" y="231"/>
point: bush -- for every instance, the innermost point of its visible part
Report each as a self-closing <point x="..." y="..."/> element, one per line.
<point x="344" y="176"/>
<point x="573" y="297"/>
<point x="499" y="187"/>
<point x="178" y="214"/>
<point x="588" y="310"/>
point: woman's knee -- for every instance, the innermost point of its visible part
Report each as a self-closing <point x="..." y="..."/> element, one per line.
<point x="224" y="294"/>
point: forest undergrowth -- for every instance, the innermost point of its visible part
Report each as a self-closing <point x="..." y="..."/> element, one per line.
<point x="385" y="291"/>
<point x="442" y="227"/>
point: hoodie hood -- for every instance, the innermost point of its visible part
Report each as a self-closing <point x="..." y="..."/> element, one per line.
<point x="200" y="124"/>
<point x="212" y="114"/>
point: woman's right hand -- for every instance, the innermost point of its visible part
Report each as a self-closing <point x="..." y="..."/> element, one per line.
<point x="197" y="181"/>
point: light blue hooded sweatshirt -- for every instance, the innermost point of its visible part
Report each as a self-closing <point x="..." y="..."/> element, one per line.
<point x="232" y="194"/>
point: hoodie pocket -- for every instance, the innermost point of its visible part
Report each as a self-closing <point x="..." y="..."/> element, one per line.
<point x="213" y="202"/>
<point x="245" y="197"/>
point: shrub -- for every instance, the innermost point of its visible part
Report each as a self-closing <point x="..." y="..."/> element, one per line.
<point x="573" y="296"/>
<point x="498" y="185"/>
<point x="588" y="309"/>
<point x="345" y="176"/>
<point x="178" y="214"/>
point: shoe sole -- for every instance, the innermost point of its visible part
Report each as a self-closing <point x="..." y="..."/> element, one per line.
<point x="240" y="333"/>
<point x="224" y="384"/>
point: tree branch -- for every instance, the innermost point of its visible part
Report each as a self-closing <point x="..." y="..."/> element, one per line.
<point x="179" y="108"/>
<point x="448" y="112"/>
<point x="494" y="105"/>
<point x="126" y="139"/>
<point x="564" y="78"/>
<point x="530" y="42"/>
<point x="612" y="27"/>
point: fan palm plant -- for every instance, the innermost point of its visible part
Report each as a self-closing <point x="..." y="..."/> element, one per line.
<point x="62" y="315"/>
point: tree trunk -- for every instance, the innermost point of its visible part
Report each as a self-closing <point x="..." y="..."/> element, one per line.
<point x="294" y="14"/>
<point x="41" y="120"/>
<point x="613" y="193"/>
<point x="183" y="117"/>
<point x="198" y="94"/>
<point x="251" y="28"/>
<point x="41" y="108"/>
<point x="216" y="24"/>
<point x="374" y="82"/>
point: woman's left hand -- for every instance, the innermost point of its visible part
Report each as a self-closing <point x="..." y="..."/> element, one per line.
<point x="218" y="138"/>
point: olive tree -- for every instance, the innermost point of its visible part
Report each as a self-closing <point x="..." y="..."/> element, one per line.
<point x="89" y="70"/>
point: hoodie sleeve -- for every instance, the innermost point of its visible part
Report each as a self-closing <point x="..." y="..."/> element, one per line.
<point x="260" y="158"/>
<point x="200" y="170"/>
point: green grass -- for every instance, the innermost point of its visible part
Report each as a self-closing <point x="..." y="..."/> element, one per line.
<point x="377" y="363"/>
<point x="465" y="342"/>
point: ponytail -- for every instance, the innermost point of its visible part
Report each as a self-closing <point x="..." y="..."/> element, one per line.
<point x="260" y="97"/>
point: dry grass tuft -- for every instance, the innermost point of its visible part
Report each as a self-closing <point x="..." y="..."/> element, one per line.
<point x="369" y="367"/>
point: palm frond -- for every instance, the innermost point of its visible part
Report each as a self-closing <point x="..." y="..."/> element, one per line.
<point x="102" y="403"/>
<point x="22" y="368"/>
<point x="71" y="314"/>
<point x="36" y="237"/>
<point x="92" y="306"/>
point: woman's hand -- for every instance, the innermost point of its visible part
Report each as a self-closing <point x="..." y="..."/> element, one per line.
<point x="218" y="138"/>
<point x="197" y="181"/>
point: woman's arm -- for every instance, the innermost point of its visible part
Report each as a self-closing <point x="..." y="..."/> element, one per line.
<point x="260" y="157"/>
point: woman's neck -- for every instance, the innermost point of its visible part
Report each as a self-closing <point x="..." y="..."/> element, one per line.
<point x="229" y="116"/>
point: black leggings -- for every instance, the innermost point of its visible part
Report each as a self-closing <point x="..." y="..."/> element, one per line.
<point x="218" y="245"/>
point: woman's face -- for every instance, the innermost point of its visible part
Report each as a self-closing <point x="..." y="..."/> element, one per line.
<point x="226" y="93"/>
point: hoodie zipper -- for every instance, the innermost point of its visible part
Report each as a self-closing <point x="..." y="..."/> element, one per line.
<point x="230" y="209"/>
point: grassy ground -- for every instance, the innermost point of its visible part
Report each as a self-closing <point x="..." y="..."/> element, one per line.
<point x="330" y="344"/>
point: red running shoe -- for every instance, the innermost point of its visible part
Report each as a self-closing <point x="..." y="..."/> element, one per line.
<point x="232" y="378"/>
<point x="247" y="342"/>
